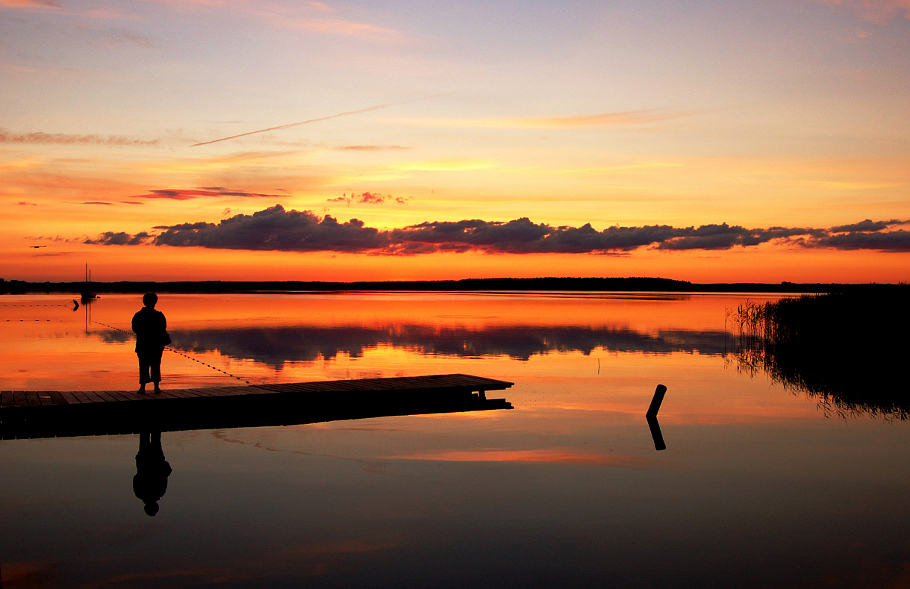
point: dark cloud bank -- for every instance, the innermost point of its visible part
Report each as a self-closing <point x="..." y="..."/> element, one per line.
<point x="276" y="229"/>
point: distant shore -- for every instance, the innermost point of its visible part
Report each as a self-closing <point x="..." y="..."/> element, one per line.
<point x="465" y="285"/>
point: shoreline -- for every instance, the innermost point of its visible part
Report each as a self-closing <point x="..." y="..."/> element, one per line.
<point x="464" y="285"/>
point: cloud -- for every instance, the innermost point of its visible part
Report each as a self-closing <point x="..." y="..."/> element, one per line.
<point x="99" y="12"/>
<point x="42" y="138"/>
<point x="369" y="198"/>
<point x="632" y="117"/>
<point x="123" y="37"/>
<point x="276" y="229"/>
<point x="865" y="235"/>
<point x="454" y="165"/>
<point x="370" y="148"/>
<point x="891" y="241"/>
<point x="877" y="11"/>
<point x="867" y="225"/>
<point x="723" y="236"/>
<point x="119" y="238"/>
<point x="319" y="17"/>
<point x="201" y="192"/>
<point x="28" y="4"/>
<point x="635" y="117"/>
<point x="335" y="26"/>
<point x="460" y="236"/>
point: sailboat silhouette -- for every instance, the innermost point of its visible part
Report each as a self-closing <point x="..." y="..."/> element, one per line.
<point x="87" y="295"/>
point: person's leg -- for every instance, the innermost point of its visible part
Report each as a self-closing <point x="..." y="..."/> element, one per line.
<point x="155" y="370"/>
<point x="144" y="374"/>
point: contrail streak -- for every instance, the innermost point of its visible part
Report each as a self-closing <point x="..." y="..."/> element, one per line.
<point x="343" y="114"/>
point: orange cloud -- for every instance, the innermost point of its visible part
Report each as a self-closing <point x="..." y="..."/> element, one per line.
<point x="27" y="4"/>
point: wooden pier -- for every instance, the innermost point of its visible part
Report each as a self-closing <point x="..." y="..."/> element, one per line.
<point x="42" y="414"/>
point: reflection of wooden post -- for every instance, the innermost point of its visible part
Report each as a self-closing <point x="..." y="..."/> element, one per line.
<point x="655" y="433"/>
<point x="657" y="400"/>
<point x="651" y="416"/>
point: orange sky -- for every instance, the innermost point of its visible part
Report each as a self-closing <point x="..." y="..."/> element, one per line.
<point x="758" y="151"/>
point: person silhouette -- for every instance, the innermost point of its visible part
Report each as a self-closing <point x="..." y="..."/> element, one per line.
<point x="150" y="327"/>
<point x="152" y="470"/>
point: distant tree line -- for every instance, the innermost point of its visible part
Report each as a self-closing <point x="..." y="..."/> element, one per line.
<point x="467" y="285"/>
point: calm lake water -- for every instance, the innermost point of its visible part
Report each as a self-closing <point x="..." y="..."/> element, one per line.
<point x="758" y="486"/>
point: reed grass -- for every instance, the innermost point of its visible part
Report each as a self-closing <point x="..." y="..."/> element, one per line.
<point x="847" y="350"/>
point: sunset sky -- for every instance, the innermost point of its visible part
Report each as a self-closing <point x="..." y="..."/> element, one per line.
<point x="757" y="140"/>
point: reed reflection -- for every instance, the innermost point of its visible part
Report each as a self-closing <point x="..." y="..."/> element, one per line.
<point x="275" y="346"/>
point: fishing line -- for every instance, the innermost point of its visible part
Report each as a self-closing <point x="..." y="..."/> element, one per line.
<point x="32" y="305"/>
<point x="170" y="349"/>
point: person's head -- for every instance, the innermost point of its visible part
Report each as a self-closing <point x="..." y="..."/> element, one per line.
<point x="149" y="299"/>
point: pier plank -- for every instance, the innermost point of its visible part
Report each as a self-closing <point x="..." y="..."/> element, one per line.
<point x="67" y="413"/>
<point x="58" y="398"/>
<point x="74" y="397"/>
<point x="107" y="396"/>
<point x="121" y="395"/>
<point x="92" y="397"/>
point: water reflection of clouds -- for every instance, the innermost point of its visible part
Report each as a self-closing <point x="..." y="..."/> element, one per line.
<point x="275" y="346"/>
<point x="110" y="336"/>
<point x="549" y="455"/>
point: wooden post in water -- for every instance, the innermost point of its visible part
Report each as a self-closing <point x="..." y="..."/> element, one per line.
<point x="657" y="400"/>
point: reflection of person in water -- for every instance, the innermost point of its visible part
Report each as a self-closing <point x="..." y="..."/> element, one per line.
<point x="150" y="328"/>
<point x="152" y="470"/>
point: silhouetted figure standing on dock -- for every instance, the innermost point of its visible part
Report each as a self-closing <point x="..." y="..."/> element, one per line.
<point x="150" y="328"/>
<point x="152" y="470"/>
